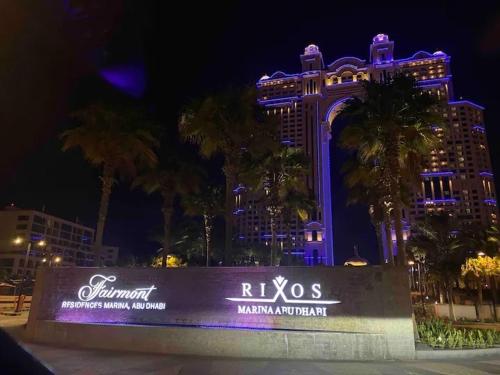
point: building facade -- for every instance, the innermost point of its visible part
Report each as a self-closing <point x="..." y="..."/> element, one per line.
<point x="29" y="239"/>
<point x="458" y="178"/>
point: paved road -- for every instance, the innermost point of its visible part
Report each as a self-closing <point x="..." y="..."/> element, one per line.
<point x="87" y="362"/>
<point x="90" y="362"/>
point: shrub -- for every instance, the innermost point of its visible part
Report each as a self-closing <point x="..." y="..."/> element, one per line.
<point x="440" y="334"/>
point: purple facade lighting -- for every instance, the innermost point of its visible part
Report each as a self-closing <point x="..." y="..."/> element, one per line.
<point x="437" y="174"/>
<point x="440" y="201"/>
<point x="491" y="202"/>
<point x="278" y="100"/>
<point x="466" y="102"/>
<point x="486" y="174"/>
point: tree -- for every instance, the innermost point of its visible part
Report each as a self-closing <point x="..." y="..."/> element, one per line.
<point x="117" y="142"/>
<point x="483" y="268"/>
<point x="297" y="204"/>
<point x="363" y="181"/>
<point x="173" y="261"/>
<point x="173" y="178"/>
<point x="230" y="124"/>
<point x="444" y="250"/>
<point x="392" y="125"/>
<point x="277" y="173"/>
<point x="208" y="203"/>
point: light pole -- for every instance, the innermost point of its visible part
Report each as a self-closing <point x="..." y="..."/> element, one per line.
<point x="56" y="259"/>
<point x="411" y="263"/>
<point x="18" y="241"/>
<point x="420" y="263"/>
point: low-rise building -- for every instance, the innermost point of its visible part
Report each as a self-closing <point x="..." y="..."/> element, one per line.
<point x="30" y="238"/>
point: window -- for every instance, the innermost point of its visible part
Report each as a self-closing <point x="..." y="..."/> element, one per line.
<point x="39" y="220"/>
<point x="23" y="218"/>
<point x="347" y="78"/>
<point x="8" y="262"/>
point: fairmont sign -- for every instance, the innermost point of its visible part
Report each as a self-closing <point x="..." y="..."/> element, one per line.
<point x="97" y="287"/>
<point x="285" y="299"/>
<point x="98" y="294"/>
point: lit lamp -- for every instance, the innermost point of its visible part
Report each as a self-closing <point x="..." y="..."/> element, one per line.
<point x="481" y="254"/>
<point x="356" y="260"/>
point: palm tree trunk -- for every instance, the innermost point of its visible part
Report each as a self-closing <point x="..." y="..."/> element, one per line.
<point x="479" y="298"/>
<point x="451" y="308"/>
<point x="441" y="294"/>
<point x="208" y="236"/>
<point x="289" y="243"/>
<point x="272" y="222"/>
<point x="378" y="233"/>
<point x="107" y="184"/>
<point x="395" y="192"/>
<point x="494" y="296"/>
<point x="388" y="236"/>
<point x="398" y="228"/>
<point x="273" y="239"/>
<point x="167" y="210"/>
<point x="228" y="216"/>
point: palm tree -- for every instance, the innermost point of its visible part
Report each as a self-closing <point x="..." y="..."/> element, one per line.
<point x="297" y="204"/>
<point x="226" y="124"/>
<point x="117" y="142"/>
<point x="171" y="179"/>
<point x="363" y="182"/>
<point x="208" y="203"/>
<point x="392" y="125"/>
<point x="443" y="248"/>
<point x="279" y="172"/>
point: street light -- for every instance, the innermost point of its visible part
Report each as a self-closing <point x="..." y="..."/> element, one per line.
<point x="18" y="241"/>
<point x="481" y="254"/>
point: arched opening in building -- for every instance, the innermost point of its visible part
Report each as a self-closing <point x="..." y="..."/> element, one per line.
<point x="351" y="224"/>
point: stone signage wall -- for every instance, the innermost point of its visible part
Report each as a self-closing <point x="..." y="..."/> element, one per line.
<point x="368" y="307"/>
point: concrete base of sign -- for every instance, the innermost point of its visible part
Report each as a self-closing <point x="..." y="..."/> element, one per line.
<point x="372" y="321"/>
<point x="241" y="343"/>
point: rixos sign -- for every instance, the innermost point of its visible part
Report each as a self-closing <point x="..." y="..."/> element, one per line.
<point x="282" y="298"/>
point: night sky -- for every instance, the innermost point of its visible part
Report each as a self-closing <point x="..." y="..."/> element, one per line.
<point x="57" y="56"/>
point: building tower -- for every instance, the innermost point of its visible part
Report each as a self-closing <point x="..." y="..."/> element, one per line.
<point x="458" y="178"/>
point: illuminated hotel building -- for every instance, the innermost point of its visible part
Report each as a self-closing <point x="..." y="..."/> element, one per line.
<point x="458" y="178"/>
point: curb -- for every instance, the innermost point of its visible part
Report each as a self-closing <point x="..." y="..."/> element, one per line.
<point x="455" y="353"/>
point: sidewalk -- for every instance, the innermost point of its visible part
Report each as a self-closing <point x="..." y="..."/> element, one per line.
<point x="90" y="362"/>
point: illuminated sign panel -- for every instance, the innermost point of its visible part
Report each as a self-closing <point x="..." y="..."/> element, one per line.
<point x="265" y="306"/>
<point x="254" y="297"/>
<point x="91" y="296"/>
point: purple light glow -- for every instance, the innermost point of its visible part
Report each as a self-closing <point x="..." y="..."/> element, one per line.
<point x="283" y="99"/>
<point x="130" y="79"/>
<point x="436" y="174"/>
<point x="468" y="102"/>
<point x="486" y="174"/>
<point x="479" y="128"/>
<point x="277" y="236"/>
<point x="491" y="202"/>
<point x="440" y="201"/>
